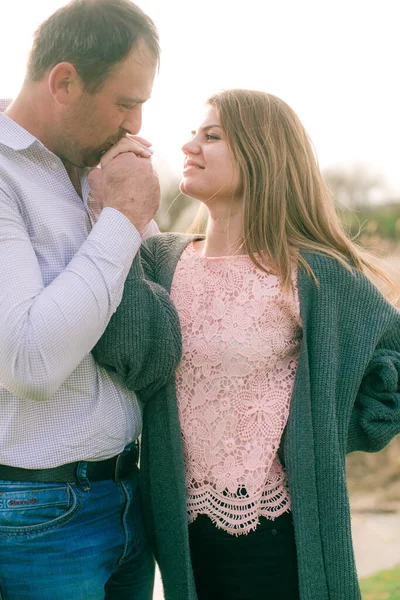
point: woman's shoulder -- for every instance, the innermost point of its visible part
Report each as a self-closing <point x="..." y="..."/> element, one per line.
<point x="341" y="283"/>
<point x="160" y="255"/>
<point x="330" y="272"/>
<point x="165" y="247"/>
<point x="164" y="241"/>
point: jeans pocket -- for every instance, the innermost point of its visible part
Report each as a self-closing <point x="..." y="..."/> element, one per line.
<point x="133" y="513"/>
<point x="29" y="509"/>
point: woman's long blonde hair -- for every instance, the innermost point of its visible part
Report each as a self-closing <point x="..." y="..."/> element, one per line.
<point x="287" y="207"/>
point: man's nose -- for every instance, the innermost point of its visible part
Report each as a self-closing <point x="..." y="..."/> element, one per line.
<point x="133" y="123"/>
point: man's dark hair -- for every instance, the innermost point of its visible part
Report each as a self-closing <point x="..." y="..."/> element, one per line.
<point x="92" y="35"/>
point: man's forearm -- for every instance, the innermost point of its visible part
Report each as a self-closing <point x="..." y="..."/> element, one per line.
<point x="45" y="332"/>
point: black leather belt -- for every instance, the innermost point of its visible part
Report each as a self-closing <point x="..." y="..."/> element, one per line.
<point x="115" y="468"/>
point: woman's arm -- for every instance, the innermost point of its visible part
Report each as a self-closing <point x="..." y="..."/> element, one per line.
<point x="142" y="342"/>
<point x="375" y="418"/>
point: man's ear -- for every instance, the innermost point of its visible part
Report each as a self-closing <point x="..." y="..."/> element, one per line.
<point x="65" y="85"/>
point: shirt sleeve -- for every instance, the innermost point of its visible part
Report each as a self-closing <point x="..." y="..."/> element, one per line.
<point x="45" y="332"/>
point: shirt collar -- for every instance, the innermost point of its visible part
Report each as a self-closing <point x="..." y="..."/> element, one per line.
<point x="11" y="134"/>
<point x="17" y="138"/>
<point x="4" y="103"/>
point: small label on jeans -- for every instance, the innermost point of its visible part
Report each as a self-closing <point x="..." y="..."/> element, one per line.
<point x="22" y="502"/>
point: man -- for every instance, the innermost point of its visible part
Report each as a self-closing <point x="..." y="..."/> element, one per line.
<point x="70" y="521"/>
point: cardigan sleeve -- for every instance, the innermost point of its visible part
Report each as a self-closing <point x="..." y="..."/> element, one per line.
<point x="375" y="418"/>
<point x="142" y="341"/>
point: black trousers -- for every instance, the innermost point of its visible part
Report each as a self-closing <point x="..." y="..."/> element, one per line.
<point x="258" y="566"/>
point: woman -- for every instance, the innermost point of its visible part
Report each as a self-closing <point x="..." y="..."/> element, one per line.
<point x="290" y="360"/>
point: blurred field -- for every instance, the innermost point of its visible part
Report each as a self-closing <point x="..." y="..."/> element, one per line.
<point x="383" y="586"/>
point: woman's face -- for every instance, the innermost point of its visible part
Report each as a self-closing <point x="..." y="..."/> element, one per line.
<point x="210" y="172"/>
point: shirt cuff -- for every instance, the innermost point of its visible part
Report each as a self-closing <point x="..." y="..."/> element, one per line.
<point x="124" y="238"/>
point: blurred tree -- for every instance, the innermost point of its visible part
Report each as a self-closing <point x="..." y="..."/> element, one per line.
<point x="354" y="185"/>
<point x="177" y="211"/>
<point x="354" y="188"/>
<point x="373" y="224"/>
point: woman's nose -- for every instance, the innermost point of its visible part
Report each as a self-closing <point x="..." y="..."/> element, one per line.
<point x="191" y="147"/>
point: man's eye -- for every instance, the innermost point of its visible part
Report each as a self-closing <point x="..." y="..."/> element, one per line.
<point x="209" y="136"/>
<point x="127" y="106"/>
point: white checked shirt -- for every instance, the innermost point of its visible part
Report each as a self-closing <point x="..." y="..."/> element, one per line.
<point x="61" y="280"/>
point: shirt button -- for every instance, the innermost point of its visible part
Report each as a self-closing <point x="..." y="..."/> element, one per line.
<point x="54" y="166"/>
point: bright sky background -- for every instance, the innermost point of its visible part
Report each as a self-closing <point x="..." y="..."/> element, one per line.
<point x="335" y="62"/>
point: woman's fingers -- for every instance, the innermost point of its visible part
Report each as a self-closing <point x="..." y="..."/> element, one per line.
<point x="139" y="139"/>
<point x="126" y="144"/>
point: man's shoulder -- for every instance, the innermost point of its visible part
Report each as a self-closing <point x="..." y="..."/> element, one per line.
<point x="8" y="184"/>
<point x="11" y="177"/>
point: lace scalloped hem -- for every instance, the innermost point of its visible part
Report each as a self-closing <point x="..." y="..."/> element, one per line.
<point x="235" y="515"/>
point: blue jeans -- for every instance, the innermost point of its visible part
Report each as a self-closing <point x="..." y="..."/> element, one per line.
<point x="61" y="541"/>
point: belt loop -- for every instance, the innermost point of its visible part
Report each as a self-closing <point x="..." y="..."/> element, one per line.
<point x="118" y="468"/>
<point x="81" y="475"/>
<point x="126" y="462"/>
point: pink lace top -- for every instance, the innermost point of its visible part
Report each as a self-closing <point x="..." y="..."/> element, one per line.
<point x="241" y="339"/>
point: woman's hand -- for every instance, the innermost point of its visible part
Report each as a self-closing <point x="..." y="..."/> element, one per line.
<point x="129" y="143"/>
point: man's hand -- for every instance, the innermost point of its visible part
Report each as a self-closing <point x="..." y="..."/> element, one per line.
<point x="127" y="181"/>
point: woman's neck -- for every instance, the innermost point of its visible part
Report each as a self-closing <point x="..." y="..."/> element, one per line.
<point x="224" y="235"/>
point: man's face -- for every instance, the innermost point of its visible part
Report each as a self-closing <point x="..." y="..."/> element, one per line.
<point x="94" y="122"/>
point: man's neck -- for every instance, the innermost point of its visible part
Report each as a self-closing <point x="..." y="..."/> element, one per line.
<point x="73" y="174"/>
<point x="31" y="111"/>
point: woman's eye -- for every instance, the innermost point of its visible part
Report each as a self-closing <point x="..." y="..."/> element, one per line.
<point x="209" y="136"/>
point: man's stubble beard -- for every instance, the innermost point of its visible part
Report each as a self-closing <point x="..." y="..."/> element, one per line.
<point x="71" y="151"/>
<point x="71" y="143"/>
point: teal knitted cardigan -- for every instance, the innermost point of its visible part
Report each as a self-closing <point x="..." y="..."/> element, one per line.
<point x="346" y="397"/>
